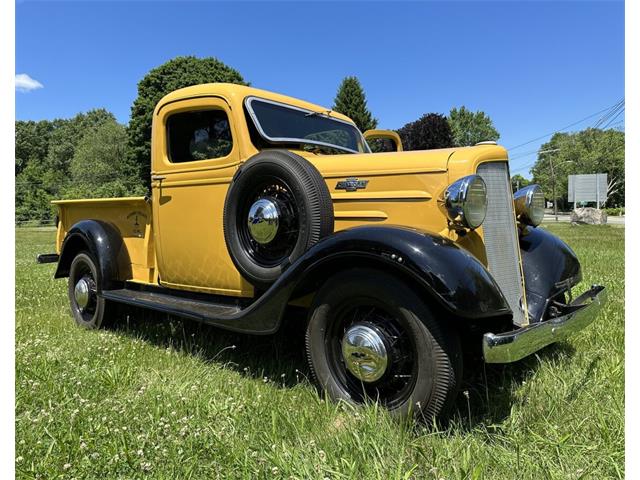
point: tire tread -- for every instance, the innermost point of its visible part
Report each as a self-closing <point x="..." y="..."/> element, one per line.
<point x="321" y="217"/>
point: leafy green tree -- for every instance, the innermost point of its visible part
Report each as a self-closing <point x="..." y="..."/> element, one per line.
<point x="430" y="131"/>
<point x="35" y="188"/>
<point x="31" y="141"/>
<point x="43" y="157"/>
<point x="469" y="128"/>
<point x="350" y="101"/>
<point x="588" y="151"/>
<point x="177" y="73"/>
<point x="66" y="135"/>
<point x="518" y="182"/>
<point x="100" y="168"/>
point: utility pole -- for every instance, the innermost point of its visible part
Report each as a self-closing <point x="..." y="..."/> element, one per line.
<point x="553" y="178"/>
<point x="553" y="181"/>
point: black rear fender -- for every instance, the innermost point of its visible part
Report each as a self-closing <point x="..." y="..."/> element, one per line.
<point x="104" y="242"/>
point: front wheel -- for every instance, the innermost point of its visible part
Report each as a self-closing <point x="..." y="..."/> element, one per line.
<point x="371" y="338"/>
<point x="88" y="309"/>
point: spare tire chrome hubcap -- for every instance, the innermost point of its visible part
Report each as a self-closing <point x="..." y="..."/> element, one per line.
<point x="263" y="220"/>
<point x="364" y="353"/>
<point x="82" y="293"/>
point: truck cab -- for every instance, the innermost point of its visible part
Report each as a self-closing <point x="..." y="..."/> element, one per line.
<point x="259" y="201"/>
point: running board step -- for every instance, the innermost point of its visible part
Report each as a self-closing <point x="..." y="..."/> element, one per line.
<point x="200" y="310"/>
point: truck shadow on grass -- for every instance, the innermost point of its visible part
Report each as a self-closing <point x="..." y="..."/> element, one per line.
<point x="487" y="395"/>
<point x="490" y="391"/>
<point x="278" y="358"/>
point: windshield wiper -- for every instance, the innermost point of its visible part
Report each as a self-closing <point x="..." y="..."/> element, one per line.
<point x="328" y="146"/>
<point x="326" y="113"/>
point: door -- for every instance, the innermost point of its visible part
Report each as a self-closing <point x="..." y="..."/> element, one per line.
<point x="194" y="158"/>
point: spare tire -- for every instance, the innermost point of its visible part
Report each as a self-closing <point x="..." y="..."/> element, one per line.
<point x="277" y="207"/>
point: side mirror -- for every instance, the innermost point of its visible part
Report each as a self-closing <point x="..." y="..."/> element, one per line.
<point x="383" y="141"/>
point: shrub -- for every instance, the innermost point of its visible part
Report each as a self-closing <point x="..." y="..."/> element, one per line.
<point x="615" y="211"/>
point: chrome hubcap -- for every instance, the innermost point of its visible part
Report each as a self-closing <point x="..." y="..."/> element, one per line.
<point x="364" y="353"/>
<point x="263" y="221"/>
<point x="82" y="292"/>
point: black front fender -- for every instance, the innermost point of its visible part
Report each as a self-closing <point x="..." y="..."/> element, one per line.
<point x="435" y="266"/>
<point x="550" y="269"/>
<point x="449" y="274"/>
<point x="104" y="242"/>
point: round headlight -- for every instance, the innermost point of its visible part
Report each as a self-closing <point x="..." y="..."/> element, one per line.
<point x="529" y="205"/>
<point x="466" y="201"/>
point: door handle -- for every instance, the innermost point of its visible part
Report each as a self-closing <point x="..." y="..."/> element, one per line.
<point x="158" y="178"/>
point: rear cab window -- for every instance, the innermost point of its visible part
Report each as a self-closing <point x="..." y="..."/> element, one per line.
<point x="198" y="135"/>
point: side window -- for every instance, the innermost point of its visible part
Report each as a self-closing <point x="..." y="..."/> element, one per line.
<point x="379" y="145"/>
<point x="198" y="135"/>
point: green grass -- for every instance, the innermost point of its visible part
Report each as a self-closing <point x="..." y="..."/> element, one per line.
<point x="160" y="398"/>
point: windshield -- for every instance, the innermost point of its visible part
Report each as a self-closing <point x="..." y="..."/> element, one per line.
<point x="281" y="123"/>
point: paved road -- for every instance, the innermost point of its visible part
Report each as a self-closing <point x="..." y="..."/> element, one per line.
<point x="611" y="220"/>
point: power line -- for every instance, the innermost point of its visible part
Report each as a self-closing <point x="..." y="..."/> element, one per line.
<point x="526" y="154"/>
<point x="105" y="176"/>
<point x="529" y="165"/>
<point x="616" y="116"/>
<point x="35" y="222"/>
<point x="524" y="167"/>
<point x="565" y="127"/>
<point x="610" y="113"/>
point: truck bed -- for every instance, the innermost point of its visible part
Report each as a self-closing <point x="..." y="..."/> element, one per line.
<point x="130" y="215"/>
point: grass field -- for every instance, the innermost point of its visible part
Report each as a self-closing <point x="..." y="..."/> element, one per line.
<point x="158" y="398"/>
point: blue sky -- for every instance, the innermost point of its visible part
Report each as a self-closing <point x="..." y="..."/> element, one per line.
<point x="532" y="66"/>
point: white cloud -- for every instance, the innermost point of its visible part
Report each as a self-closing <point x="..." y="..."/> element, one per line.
<point x="24" y="83"/>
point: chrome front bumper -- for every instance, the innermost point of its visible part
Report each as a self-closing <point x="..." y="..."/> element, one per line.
<point x="512" y="346"/>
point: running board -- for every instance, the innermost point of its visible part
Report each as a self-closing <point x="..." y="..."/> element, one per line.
<point x="261" y="316"/>
<point x="201" y="310"/>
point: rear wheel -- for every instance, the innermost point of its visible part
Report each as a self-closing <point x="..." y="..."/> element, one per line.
<point x="370" y="338"/>
<point x="87" y="308"/>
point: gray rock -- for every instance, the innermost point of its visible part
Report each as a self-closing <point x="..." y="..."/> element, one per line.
<point x="589" y="216"/>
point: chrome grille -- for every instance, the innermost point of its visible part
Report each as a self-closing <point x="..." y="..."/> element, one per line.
<point x="501" y="237"/>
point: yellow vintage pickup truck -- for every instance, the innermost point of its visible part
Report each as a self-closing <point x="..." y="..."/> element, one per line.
<point x="260" y="201"/>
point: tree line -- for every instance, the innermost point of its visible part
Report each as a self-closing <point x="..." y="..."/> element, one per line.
<point x="92" y="155"/>
<point x="592" y="150"/>
<point x="461" y="128"/>
<point x="83" y="156"/>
